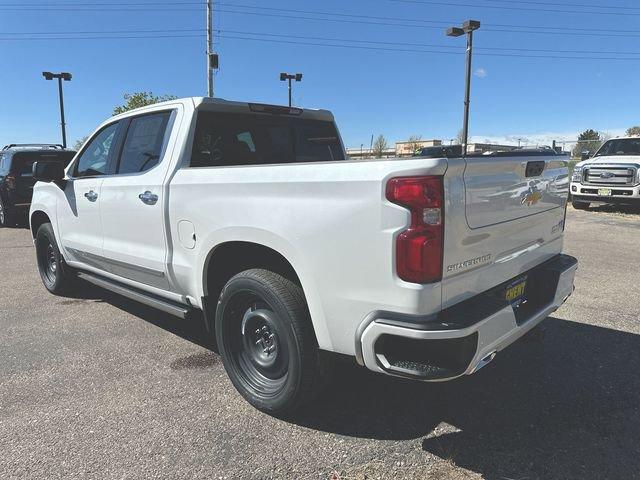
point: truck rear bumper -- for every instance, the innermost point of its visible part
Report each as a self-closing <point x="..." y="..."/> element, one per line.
<point x="464" y="338"/>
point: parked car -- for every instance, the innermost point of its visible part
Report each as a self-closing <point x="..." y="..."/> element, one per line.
<point x="440" y="151"/>
<point x="251" y="213"/>
<point x="612" y="175"/>
<point x="16" y="178"/>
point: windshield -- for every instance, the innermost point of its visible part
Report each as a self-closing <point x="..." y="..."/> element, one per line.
<point x="622" y="146"/>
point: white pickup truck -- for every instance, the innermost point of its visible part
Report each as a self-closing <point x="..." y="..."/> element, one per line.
<point x="423" y="267"/>
<point x="612" y="175"/>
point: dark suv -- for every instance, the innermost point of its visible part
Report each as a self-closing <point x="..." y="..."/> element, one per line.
<point x="16" y="178"/>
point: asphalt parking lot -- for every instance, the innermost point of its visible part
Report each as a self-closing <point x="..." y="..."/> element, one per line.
<point x="100" y="387"/>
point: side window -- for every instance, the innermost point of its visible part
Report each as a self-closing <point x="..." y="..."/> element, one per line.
<point x="239" y="139"/>
<point x="1" y="163"/>
<point x="317" y="141"/>
<point x="143" y="144"/>
<point x="95" y="157"/>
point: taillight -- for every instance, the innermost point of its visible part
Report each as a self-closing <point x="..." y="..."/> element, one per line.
<point x="419" y="248"/>
<point x="10" y="181"/>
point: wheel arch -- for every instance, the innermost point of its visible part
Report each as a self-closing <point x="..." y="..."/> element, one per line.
<point x="36" y="220"/>
<point x="234" y="256"/>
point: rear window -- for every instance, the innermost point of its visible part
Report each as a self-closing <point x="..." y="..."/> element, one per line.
<point x="23" y="161"/>
<point x="250" y="139"/>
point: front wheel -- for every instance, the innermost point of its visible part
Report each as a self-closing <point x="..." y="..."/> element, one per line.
<point x="267" y="343"/>
<point x="56" y="276"/>
<point x="6" y="219"/>
<point x="580" y="205"/>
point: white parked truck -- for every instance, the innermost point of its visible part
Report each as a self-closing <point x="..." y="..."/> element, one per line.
<point x="612" y="175"/>
<point x="422" y="267"/>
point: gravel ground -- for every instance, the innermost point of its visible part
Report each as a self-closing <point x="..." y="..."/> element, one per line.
<point x="100" y="387"/>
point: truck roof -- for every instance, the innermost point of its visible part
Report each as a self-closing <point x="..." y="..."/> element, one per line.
<point x="222" y="105"/>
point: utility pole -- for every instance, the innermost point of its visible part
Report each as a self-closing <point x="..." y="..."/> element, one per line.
<point x="468" y="27"/>
<point x="290" y="77"/>
<point x="60" y="77"/>
<point x="209" y="51"/>
<point x="212" y="58"/>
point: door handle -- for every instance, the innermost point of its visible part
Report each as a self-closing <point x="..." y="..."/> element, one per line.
<point x="148" y="198"/>
<point x="91" y="196"/>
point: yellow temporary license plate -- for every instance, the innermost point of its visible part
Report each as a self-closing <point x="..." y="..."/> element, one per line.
<point x="605" y="192"/>
<point x="515" y="291"/>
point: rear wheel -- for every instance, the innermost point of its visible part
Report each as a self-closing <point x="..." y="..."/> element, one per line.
<point x="580" y="205"/>
<point x="56" y="276"/>
<point x="267" y="343"/>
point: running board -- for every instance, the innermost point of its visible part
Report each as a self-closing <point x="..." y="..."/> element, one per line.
<point x="178" y="309"/>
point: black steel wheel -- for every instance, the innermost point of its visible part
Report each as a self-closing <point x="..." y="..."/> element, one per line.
<point x="267" y="343"/>
<point x="55" y="275"/>
<point x="6" y="219"/>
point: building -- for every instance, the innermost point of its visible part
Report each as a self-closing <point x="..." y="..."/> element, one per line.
<point x="489" y="147"/>
<point x="407" y="149"/>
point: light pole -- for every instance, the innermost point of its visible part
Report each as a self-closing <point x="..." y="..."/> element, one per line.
<point x="289" y="77"/>
<point x="468" y="27"/>
<point x="67" y="78"/>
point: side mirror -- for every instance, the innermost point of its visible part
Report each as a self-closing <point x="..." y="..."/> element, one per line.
<point x="44" y="171"/>
<point x="585" y="155"/>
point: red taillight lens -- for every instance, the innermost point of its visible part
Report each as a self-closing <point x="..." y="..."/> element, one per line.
<point x="11" y="181"/>
<point x="419" y="248"/>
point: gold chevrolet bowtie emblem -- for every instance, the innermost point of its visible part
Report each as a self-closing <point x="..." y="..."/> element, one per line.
<point x="531" y="198"/>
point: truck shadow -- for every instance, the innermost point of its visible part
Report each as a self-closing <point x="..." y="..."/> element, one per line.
<point x="191" y="329"/>
<point x="609" y="208"/>
<point x="566" y="407"/>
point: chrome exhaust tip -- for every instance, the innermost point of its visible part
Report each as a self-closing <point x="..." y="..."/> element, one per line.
<point x="484" y="361"/>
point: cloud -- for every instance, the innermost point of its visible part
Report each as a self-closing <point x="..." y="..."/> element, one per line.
<point x="480" y="73"/>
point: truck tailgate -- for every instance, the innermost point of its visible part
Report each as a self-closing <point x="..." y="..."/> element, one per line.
<point x="502" y="189"/>
<point x="504" y="216"/>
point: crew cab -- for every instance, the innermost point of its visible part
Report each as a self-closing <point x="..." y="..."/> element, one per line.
<point x="612" y="175"/>
<point x="16" y="180"/>
<point x="422" y="268"/>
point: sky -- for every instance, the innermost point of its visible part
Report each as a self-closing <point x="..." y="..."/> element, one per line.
<point x="543" y="69"/>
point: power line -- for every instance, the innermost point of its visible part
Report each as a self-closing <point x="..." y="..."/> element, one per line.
<point x="510" y="29"/>
<point x="180" y="6"/>
<point x="523" y="9"/>
<point x="409" y="44"/>
<point x="585" y="5"/>
<point x="107" y="34"/>
<point x="425" y="51"/>
<point x="189" y="3"/>
<point x="95" y="32"/>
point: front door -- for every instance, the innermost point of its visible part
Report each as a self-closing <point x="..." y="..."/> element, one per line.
<point x="79" y="221"/>
<point x="133" y="202"/>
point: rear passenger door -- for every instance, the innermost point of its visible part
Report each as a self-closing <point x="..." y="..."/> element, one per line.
<point x="133" y="201"/>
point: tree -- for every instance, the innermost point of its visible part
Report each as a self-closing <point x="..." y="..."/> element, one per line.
<point x="140" y="99"/>
<point x="414" y="143"/>
<point x="459" y="137"/>
<point x="78" y="144"/>
<point x="379" y="146"/>
<point x="589" y="140"/>
<point x="633" y="131"/>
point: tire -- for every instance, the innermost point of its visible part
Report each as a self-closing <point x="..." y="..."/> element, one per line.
<point x="266" y="340"/>
<point x="56" y="276"/>
<point x="580" y="205"/>
<point x="6" y="219"/>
